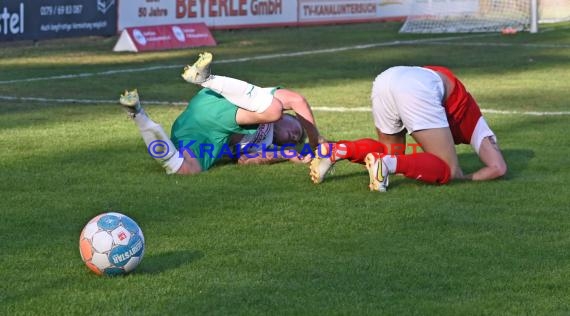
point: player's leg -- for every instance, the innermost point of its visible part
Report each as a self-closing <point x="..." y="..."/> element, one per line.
<point x="385" y="112"/>
<point x="190" y="165"/>
<point x="158" y="144"/>
<point x="272" y="114"/>
<point x="378" y="171"/>
<point x="198" y="72"/>
<point x="355" y="151"/>
<point x="439" y="142"/>
<point x="327" y="154"/>
<point x="394" y="144"/>
<point x="424" y="167"/>
<point x="241" y="93"/>
<point x="434" y="165"/>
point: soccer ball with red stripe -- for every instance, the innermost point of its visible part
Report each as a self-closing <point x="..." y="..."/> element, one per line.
<point x="111" y="244"/>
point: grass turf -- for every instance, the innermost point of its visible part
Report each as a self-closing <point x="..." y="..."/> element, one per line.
<point x="257" y="240"/>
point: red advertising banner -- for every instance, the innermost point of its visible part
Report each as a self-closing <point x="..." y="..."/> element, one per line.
<point x="163" y="37"/>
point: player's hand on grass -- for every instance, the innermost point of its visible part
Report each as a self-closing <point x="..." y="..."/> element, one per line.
<point x="299" y="158"/>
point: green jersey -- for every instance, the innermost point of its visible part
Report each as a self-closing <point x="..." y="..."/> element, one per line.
<point x="205" y="127"/>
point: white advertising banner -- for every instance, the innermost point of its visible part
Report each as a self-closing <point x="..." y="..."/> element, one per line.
<point x="337" y="10"/>
<point x="394" y="9"/>
<point x="225" y="14"/>
<point x="444" y="7"/>
<point x="214" y="13"/>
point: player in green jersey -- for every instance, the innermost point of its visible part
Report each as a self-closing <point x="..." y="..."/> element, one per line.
<point x="228" y="117"/>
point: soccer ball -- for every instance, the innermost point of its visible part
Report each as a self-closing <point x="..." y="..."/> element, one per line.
<point x="111" y="244"/>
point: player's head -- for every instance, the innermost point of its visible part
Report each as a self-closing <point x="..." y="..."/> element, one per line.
<point x="288" y="130"/>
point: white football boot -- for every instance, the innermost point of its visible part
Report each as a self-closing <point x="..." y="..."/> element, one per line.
<point x="377" y="171"/>
<point x="130" y="102"/>
<point x="322" y="163"/>
<point x="199" y="72"/>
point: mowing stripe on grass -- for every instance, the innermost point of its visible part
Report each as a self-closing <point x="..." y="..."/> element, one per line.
<point x="315" y="108"/>
<point x="245" y="59"/>
<point x="427" y="41"/>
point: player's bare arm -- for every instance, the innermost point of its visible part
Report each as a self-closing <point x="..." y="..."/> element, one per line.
<point x="298" y="104"/>
<point x="273" y="157"/>
<point x="495" y="165"/>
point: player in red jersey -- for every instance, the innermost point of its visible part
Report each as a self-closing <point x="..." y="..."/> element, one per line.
<point x="434" y="107"/>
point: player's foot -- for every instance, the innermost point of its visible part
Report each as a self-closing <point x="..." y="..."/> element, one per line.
<point x="130" y="102"/>
<point x="322" y="163"/>
<point x="199" y="72"/>
<point x="377" y="171"/>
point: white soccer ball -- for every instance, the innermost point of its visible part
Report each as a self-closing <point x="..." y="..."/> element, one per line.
<point x="111" y="244"/>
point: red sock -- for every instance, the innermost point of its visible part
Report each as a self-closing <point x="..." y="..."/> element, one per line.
<point x="357" y="150"/>
<point x="424" y="167"/>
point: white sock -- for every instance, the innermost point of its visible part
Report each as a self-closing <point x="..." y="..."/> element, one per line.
<point x="242" y="94"/>
<point x="142" y="120"/>
<point x="391" y="162"/>
<point x="158" y="144"/>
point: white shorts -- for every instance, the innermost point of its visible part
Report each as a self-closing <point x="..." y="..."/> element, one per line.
<point x="407" y="97"/>
<point x="263" y="138"/>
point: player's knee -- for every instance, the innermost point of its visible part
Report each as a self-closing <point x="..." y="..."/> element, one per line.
<point x="455" y="172"/>
<point x="186" y="171"/>
<point x="189" y="166"/>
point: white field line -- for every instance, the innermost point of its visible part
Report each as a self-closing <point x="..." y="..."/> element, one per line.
<point x="483" y="44"/>
<point x="245" y="59"/>
<point x="531" y="113"/>
<point x="339" y="109"/>
<point x="428" y="41"/>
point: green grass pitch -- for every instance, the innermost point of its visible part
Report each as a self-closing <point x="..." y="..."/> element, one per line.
<point x="263" y="240"/>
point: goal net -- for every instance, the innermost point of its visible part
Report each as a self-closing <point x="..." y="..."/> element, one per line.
<point x="464" y="16"/>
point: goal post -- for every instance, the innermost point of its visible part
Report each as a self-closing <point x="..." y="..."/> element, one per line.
<point x="468" y="16"/>
<point x="533" y="16"/>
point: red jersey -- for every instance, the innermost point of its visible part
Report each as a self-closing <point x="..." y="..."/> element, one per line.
<point x="460" y="107"/>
